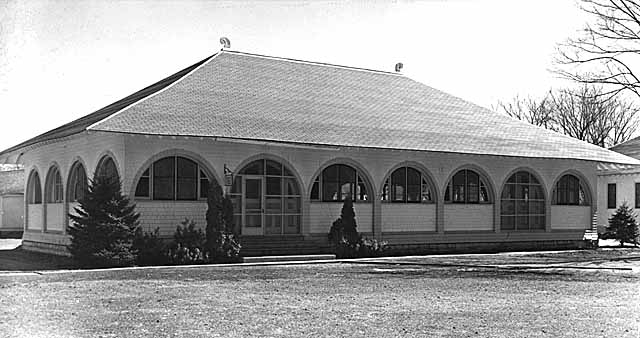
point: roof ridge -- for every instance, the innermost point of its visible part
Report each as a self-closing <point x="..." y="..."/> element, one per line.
<point x="316" y="63"/>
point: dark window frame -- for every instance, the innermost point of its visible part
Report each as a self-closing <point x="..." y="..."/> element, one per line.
<point x="149" y="178"/>
<point x="520" y="190"/>
<point x="481" y="186"/>
<point x="611" y="195"/>
<point x="571" y="190"/>
<point x="358" y="187"/>
<point x="425" y="188"/>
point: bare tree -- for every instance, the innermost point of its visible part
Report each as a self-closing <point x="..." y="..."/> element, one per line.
<point x="538" y="113"/>
<point x="586" y="113"/>
<point x="606" y="51"/>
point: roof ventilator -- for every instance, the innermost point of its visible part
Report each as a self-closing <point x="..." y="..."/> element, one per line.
<point x="398" y="67"/>
<point x="225" y="42"/>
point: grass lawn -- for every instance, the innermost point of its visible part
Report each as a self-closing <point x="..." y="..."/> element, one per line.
<point x="330" y="300"/>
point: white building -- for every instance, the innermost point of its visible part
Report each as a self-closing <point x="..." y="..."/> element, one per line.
<point x="428" y="171"/>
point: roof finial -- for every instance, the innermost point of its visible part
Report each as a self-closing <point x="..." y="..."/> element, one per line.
<point x="225" y="42"/>
<point x="398" y="67"/>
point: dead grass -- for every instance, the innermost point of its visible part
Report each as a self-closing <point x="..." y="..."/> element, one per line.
<point x="333" y="300"/>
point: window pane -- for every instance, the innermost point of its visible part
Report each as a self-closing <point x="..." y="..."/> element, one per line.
<point x="536" y="207"/>
<point x="413" y="193"/>
<point x="286" y="172"/>
<point x="142" y="189"/>
<point x="253" y="220"/>
<point x="330" y="191"/>
<point x="253" y="194"/>
<point x="508" y="208"/>
<point x="522" y="207"/>
<point x="330" y="174"/>
<point x="204" y="187"/>
<point x="508" y="223"/>
<point x="385" y="191"/>
<point x="273" y="205"/>
<point x="458" y="186"/>
<point x="611" y="196"/>
<point x="426" y="192"/>
<point x="273" y="224"/>
<point x="291" y="224"/>
<point x="292" y="205"/>
<point x="535" y="192"/>
<point x="637" y="204"/>
<point x="187" y="187"/>
<point x="347" y="174"/>
<point x="163" y="179"/>
<point x="254" y="168"/>
<point x="522" y="222"/>
<point x="522" y="177"/>
<point x="315" y="192"/>
<point x="473" y="189"/>
<point x="536" y="222"/>
<point x="509" y="191"/>
<point x="398" y="184"/>
<point x="361" y="191"/>
<point x="274" y="168"/>
<point x="484" y="192"/>
<point x="291" y="186"/>
<point x="274" y="186"/>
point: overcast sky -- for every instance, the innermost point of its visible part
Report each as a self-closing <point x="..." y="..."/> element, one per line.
<point x="60" y="60"/>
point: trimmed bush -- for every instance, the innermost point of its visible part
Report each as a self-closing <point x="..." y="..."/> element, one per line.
<point x="346" y="240"/>
<point x="104" y="226"/>
<point x="222" y="243"/>
<point x="187" y="244"/>
<point x="151" y="249"/>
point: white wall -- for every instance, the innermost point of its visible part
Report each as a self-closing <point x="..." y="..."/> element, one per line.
<point x="323" y="214"/>
<point x="570" y="217"/>
<point x="35" y="216"/>
<point x="468" y="217"/>
<point x="625" y="192"/>
<point x="167" y="215"/>
<point x="397" y="217"/>
<point x="55" y="217"/>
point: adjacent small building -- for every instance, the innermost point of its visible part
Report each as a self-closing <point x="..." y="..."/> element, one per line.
<point x="292" y="139"/>
<point x="11" y="201"/>
<point x="619" y="184"/>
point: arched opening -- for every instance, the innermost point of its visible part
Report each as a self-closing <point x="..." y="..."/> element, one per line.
<point x="467" y="187"/>
<point x="107" y="168"/>
<point x="570" y="190"/>
<point x="266" y="199"/>
<point x="175" y="178"/>
<point x="408" y="185"/>
<point x="338" y="182"/>
<point x="54" y="198"/>
<point x="522" y="203"/>
<point x="34" y="209"/>
<point x="77" y="186"/>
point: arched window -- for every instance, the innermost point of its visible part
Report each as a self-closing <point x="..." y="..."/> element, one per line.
<point x="337" y="182"/>
<point x="266" y="199"/>
<point x="107" y="168"/>
<point x="34" y="192"/>
<point x="53" y="186"/>
<point x="173" y="178"/>
<point x="522" y="203"/>
<point x="77" y="187"/>
<point x="467" y="186"/>
<point x="570" y="190"/>
<point x="407" y="185"/>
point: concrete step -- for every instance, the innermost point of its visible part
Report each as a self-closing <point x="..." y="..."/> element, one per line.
<point x="288" y="258"/>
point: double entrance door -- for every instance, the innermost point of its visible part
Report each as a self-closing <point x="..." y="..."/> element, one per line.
<point x="262" y="213"/>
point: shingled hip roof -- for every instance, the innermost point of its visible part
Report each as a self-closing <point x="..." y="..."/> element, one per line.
<point x="252" y="97"/>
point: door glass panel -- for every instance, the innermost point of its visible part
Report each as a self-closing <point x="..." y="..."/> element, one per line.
<point x="292" y="205"/>
<point x="253" y="220"/>
<point x="274" y="186"/>
<point x="292" y="224"/>
<point x="253" y="194"/>
<point x="273" y="224"/>
<point x="273" y="205"/>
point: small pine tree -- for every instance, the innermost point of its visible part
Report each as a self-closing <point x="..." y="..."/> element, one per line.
<point x="104" y="226"/>
<point x="623" y="226"/>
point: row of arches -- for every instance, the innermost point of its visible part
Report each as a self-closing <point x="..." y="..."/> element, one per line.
<point x="267" y="192"/>
<point x="52" y="215"/>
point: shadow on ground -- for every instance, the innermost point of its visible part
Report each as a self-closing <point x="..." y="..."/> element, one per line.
<point x="14" y="258"/>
